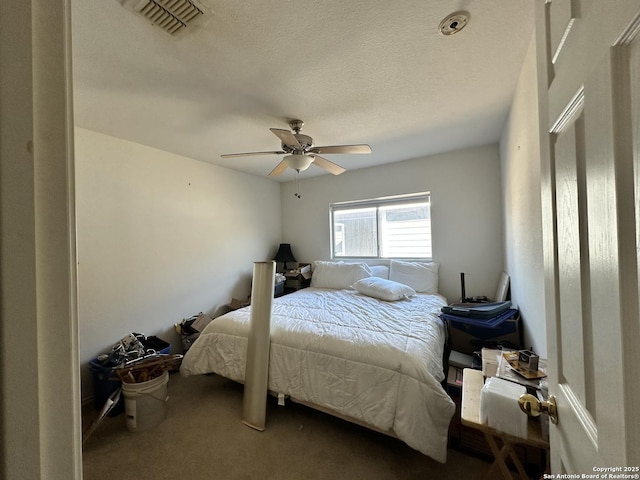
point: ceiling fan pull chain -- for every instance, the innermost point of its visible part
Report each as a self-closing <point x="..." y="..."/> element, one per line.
<point x="297" y="184"/>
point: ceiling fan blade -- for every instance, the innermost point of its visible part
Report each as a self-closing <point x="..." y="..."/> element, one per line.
<point x="281" y="167"/>
<point x="328" y="165"/>
<point x="250" y="154"/>
<point x="286" y="137"/>
<point x="342" y="149"/>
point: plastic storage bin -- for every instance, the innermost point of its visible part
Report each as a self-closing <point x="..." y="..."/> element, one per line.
<point x="157" y="344"/>
<point x="105" y="382"/>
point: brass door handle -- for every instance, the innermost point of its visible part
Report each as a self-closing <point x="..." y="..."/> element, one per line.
<point x="534" y="407"/>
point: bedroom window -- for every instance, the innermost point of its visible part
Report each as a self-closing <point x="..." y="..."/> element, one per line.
<point x="389" y="227"/>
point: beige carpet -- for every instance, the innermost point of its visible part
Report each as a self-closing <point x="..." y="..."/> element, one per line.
<point x="203" y="438"/>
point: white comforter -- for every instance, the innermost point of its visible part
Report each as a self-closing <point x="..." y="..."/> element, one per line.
<point x="378" y="362"/>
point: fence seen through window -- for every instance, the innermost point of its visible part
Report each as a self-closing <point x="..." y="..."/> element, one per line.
<point x="391" y="227"/>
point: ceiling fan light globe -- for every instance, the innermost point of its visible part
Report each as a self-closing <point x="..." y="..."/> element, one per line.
<point x="298" y="162"/>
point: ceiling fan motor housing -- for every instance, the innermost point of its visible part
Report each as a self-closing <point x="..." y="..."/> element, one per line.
<point x="305" y="142"/>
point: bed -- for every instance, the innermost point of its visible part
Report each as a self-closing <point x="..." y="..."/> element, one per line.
<point x="352" y="354"/>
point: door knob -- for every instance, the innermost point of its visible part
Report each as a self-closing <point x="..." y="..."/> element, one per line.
<point x="534" y="407"/>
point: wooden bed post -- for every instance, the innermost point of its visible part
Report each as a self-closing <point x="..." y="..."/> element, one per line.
<point x="254" y="403"/>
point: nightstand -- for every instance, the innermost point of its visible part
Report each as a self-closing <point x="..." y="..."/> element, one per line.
<point x="472" y="382"/>
<point x="295" y="288"/>
<point x="298" y="278"/>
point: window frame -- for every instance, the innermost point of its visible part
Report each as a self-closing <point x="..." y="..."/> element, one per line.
<point x="395" y="200"/>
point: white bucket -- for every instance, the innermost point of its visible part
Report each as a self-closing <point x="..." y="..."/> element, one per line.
<point x="145" y="403"/>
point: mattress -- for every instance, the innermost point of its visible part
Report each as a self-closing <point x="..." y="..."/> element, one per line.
<point x="377" y="362"/>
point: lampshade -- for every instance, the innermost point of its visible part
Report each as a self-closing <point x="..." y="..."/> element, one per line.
<point x="298" y="161"/>
<point x="284" y="254"/>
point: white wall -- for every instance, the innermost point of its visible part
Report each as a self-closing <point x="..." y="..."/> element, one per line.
<point x="160" y="238"/>
<point x="522" y="205"/>
<point x="466" y="212"/>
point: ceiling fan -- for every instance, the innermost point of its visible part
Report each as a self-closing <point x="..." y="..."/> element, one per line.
<point x="301" y="152"/>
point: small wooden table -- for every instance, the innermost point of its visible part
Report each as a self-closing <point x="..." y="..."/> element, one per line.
<point x="472" y="382"/>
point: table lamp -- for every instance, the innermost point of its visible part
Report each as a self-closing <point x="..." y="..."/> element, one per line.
<point x="284" y="255"/>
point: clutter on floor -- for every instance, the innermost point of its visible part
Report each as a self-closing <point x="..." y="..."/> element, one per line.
<point x="190" y="328"/>
<point x="138" y="367"/>
<point x="148" y="368"/>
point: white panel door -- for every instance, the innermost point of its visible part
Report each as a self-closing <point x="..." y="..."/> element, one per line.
<point x="589" y="82"/>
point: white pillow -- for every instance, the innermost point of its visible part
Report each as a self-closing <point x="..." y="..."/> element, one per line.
<point x="422" y="277"/>
<point x="381" y="271"/>
<point x="338" y="274"/>
<point x="383" y="289"/>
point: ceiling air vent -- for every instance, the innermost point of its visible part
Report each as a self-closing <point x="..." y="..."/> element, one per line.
<point x="173" y="16"/>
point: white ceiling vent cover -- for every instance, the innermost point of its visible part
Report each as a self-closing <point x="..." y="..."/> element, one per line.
<point x="173" y="16"/>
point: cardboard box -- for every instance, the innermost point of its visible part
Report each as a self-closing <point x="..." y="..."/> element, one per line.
<point x="236" y="303"/>
<point x="299" y="277"/>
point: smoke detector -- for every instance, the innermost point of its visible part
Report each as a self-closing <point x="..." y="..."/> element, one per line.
<point x="172" y="16"/>
<point x="454" y="22"/>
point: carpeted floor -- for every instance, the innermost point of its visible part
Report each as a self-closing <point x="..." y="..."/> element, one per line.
<point x="203" y="438"/>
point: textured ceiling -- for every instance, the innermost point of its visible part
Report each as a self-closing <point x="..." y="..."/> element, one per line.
<point x="357" y="71"/>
